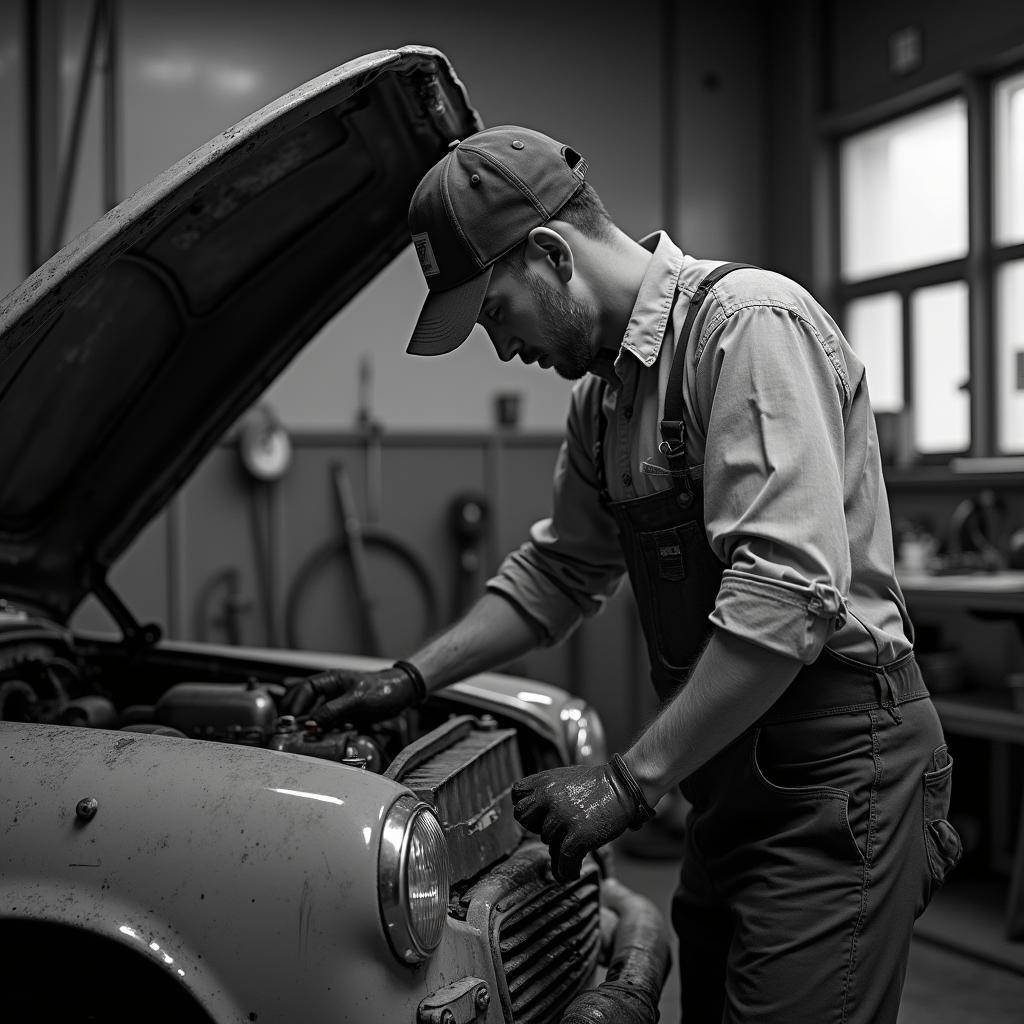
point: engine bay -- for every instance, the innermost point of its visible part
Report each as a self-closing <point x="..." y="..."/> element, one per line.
<point x="52" y="676"/>
<point x="45" y="678"/>
<point x="463" y="765"/>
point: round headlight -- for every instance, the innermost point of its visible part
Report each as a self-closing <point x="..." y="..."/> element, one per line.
<point x="584" y="733"/>
<point x="413" y="876"/>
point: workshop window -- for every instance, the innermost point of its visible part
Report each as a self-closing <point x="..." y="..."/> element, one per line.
<point x="1010" y="356"/>
<point x="904" y="239"/>
<point x="930" y="275"/>
<point x="940" y="355"/>
<point x="875" y="321"/>
<point x="1008" y="120"/>
<point x="904" y="193"/>
<point x="1008" y="233"/>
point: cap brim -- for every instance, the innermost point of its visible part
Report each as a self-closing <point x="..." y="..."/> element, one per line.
<point x="448" y="317"/>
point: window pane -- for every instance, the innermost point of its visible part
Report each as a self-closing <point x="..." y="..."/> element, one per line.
<point x="1010" y="356"/>
<point x="1008" y="109"/>
<point x="873" y="329"/>
<point x="903" y="189"/>
<point x="940" y="360"/>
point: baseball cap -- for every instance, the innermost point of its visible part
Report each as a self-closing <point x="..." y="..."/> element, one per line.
<point x="471" y="208"/>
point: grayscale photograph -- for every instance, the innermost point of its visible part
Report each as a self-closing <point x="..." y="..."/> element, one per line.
<point x="511" y="514"/>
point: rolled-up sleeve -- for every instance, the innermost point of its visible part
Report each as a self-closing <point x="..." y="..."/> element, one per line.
<point x="572" y="562"/>
<point x="772" y="393"/>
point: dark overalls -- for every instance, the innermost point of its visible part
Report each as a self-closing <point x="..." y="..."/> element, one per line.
<point x="818" y="836"/>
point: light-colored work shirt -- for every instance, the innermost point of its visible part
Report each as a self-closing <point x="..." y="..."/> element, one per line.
<point x="780" y="428"/>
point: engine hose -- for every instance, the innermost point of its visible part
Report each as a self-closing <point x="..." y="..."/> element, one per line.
<point x="638" y="967"/>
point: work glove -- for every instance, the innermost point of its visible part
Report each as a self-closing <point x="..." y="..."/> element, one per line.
<point x="352" y="695"/>
<point x="577" y="809"/>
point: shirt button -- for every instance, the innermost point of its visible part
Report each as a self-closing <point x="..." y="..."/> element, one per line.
<point x="627" y="479"/>
<point x="628" y="412"/>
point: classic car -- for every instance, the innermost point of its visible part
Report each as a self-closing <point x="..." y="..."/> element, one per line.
<point x="171" y="848"/>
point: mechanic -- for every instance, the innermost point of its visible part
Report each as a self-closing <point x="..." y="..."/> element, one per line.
<point x="721" y="450"/>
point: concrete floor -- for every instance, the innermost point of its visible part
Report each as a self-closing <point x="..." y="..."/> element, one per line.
<point x="943" y="986"/>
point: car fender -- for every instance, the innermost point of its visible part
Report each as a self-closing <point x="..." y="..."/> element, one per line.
<point x="252" y="857"/>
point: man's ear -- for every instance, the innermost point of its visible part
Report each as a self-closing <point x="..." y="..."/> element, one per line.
<point x="546" y="245"/>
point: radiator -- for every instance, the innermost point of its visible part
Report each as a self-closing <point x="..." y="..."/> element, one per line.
<point x="465" y="770"/>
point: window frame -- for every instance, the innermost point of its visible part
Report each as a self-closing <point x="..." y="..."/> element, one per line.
<point x="978" y="269"/>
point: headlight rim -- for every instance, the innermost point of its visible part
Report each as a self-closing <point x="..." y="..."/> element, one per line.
<point x="574" y="712"/>
<point x="393" y="876"/>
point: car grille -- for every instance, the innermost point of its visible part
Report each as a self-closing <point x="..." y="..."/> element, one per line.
<point x="548" y="949"/>
<point x="544" y="937"/>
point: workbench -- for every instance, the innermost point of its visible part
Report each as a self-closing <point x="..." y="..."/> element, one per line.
<point x="995" y="715"/>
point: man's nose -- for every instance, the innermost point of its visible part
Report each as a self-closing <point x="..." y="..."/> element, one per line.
<point x="507" y="348"/>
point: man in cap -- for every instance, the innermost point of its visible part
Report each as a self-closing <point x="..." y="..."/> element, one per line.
<point x="720" y="449"/>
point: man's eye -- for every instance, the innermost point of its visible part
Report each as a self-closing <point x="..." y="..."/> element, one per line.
<point x="493" y="312"/>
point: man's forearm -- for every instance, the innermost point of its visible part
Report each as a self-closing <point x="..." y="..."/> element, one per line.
<point x="490" y="634"/>
<point x="732" y="684"/>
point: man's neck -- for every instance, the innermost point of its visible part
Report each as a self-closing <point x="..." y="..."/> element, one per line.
<point x="620" y="275"/>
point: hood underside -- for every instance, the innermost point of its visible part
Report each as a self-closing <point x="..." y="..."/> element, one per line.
<point x="126" y="356"/>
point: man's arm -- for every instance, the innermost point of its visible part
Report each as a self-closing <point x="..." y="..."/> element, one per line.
<point x="732" y="684"/>
<point x="489" y="635"/>
<point x="579" y="808"/>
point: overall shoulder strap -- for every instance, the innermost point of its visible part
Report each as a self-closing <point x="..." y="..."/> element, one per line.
<point x="597" y="453"/>
<point x="673" y="432"/>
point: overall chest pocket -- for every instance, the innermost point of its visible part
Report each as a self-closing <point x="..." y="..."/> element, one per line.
<point x="676" y="584"/>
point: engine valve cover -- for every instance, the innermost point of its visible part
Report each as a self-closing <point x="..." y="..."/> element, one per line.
<point x="236" y="713"/>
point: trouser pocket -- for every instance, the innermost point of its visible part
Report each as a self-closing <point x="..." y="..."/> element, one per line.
<point x="814" y="778"/>
<point x="942" y="844"/>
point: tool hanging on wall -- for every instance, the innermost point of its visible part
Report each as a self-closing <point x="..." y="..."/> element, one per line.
<point x="222" y="620"/>
<point x="364" y="554"/>
<point x="372" y="430"/>
<point x="265" y="450"/>
<point x="469" y="521"/>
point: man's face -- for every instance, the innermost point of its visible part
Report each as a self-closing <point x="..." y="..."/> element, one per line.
<point x="525" y="316"/>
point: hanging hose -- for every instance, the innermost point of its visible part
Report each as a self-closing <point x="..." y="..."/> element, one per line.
<point x="638" y="967"/>
<point x="351" y="549"/>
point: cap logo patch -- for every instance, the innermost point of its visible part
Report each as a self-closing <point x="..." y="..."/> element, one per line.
<point x="425" y="254"/>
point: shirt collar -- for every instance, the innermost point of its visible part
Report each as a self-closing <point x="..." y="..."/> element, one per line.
<point x="646" y="329"/>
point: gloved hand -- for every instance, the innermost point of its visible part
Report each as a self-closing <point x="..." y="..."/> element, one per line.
<point x="351" y="695"/>
<point x="577" y="809"/>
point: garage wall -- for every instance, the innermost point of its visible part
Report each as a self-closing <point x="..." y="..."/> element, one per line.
<point x="592" y="73"/>
<point x="662" y="98"/>
<point x="13" y="266"/>
<point x="235" y="561"/>
<point x="953" y="36"/>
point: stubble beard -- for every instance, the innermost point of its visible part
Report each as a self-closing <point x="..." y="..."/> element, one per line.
<point x="568" y="327"/>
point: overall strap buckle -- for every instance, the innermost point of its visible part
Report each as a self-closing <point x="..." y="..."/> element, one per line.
<point x="673" y="443"/>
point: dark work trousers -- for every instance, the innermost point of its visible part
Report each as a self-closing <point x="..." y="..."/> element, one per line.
<point x="814" y="842"/>
<point x="818" y="836"/>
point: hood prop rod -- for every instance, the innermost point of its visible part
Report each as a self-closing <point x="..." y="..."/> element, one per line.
<point x="135" y="634"/>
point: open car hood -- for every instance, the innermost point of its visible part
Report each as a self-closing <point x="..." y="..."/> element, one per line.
<point x="125" y="357"/>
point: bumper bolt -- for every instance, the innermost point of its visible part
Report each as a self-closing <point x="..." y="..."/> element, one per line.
<point x="447" y="1017"/>
<point x="483" y="998"/>
<point x="86" y="808"/>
